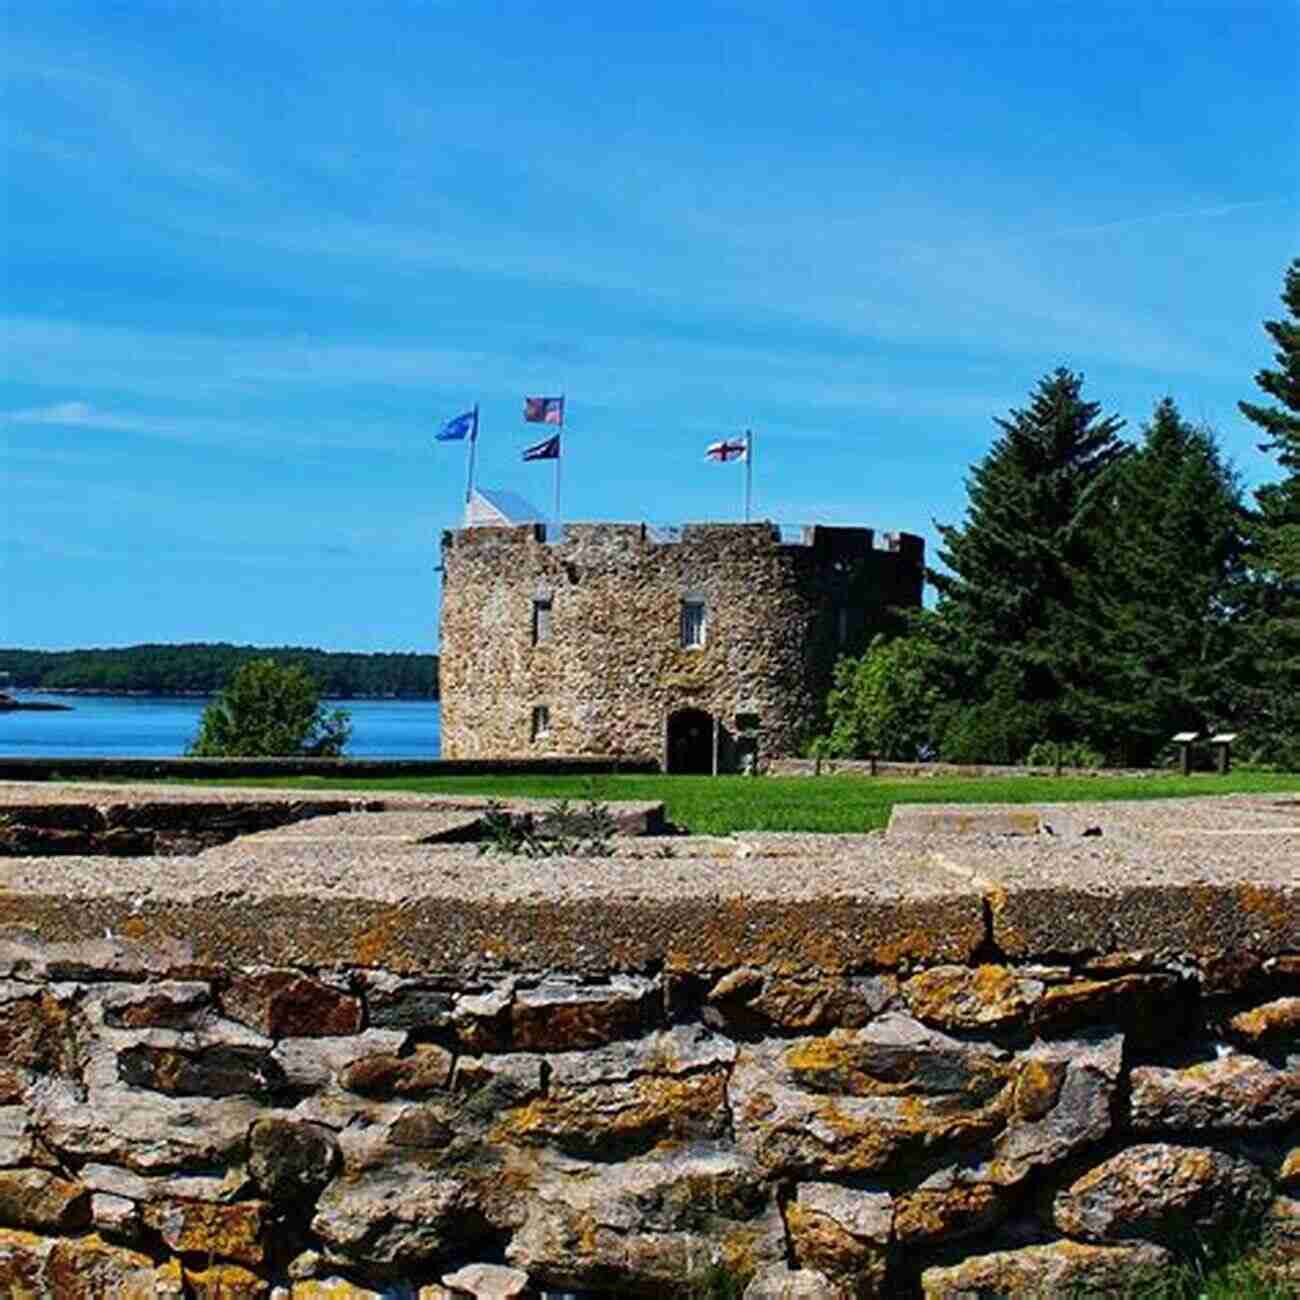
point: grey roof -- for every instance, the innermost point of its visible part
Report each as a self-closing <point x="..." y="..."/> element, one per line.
<point x="511" y="506"/>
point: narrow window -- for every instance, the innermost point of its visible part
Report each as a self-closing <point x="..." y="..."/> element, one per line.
<point x="692" y="624"/>
<point x="842" y="624"/>
<point x="541" y="721"/>
<point x="541" y="620"/>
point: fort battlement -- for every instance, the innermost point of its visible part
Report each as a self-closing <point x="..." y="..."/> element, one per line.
<point x="707" y="646"/>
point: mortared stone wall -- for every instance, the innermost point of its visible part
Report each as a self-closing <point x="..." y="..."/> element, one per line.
<point x="613" y="670"/>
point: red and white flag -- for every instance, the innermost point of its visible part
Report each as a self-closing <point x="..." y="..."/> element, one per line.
<point x="544" y="410"/>
<point x="727" y="449"/>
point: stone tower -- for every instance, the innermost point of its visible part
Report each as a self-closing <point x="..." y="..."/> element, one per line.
<point x="708" y="648"/>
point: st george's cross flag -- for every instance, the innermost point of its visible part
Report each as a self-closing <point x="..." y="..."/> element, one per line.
<point x="544" y="410"/>
<point x="547" y="449"/>
<point x="727" y="449"/>
<point x="455" y="430"/>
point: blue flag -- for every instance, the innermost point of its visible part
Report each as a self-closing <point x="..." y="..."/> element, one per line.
<point x="455" y="430"/>
<point x="547" y="449"/>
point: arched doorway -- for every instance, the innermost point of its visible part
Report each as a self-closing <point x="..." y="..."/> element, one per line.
<point x="690" y="742"/>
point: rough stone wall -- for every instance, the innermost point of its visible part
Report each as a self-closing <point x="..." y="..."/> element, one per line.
<point x="996" y="1051"/>
<point x="614" y="668"/>
<point x="178" y="1126"/>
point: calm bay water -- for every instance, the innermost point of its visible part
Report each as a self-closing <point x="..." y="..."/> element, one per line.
<point x="161" y="726"/>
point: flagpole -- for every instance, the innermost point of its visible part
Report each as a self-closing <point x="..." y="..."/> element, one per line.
<point x="558" y="527"/>
<point x="469" y="473"/>
<point x="749" y="470"/>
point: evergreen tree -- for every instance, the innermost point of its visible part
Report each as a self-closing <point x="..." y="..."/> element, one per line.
<point x="1010" y="586"/>
<point x="1158" y="618"/>
<point x="1275" y="702"/>
<point x="1279" y="503"/>
<point x="1282" y="424"/>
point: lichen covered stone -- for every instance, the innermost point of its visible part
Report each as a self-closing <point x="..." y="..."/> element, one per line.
<point x="1161" y="1192"/>
<point x="1056" y="1271"/>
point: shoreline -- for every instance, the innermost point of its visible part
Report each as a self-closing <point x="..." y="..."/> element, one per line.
<point x="194" y="695"/>
<point x="10" y="705"/>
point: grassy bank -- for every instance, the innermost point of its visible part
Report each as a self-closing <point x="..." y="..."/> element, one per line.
<point x="719" y="805"/>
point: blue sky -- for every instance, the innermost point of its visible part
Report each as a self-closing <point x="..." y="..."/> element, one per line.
<point x="256" y="253"/>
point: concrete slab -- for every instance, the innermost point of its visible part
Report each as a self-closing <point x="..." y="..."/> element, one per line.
<point x="1123" y="892"/>
<point x="56" y="803"/>
<point x="406" y="827"/>
<point x="1177" y="877"/>
<point x="802" y="844"/>
<point x="104" y="793"/>
<point x="406" y="906"/>
<point x="1131" y="816"/>
<point x="1169" y="875"/>
<point x="941" y="819"/>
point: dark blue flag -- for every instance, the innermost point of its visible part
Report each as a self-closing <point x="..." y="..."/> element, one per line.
<point x="455" y="430"/>
<point x="548" y="449"/>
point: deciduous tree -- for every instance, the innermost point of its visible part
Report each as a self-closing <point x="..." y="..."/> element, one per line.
<point x="884" y="703"/>
<point x="270" y="710"/>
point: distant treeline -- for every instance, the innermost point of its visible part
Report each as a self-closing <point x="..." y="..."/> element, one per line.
<point x="203" y="669"/>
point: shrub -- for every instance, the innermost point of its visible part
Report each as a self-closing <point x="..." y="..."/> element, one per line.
<point x="883" y="703"/>
<point x="1001" y="731"/>
<point x="561" y="831"/>
<point x="1047" y="753"/>
<point x="270" y="710"/>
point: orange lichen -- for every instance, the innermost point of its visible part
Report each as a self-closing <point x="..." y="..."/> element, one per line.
<point x="1037" y="1087"/>
<point x="1279" y="1019"/>
<point x="924" y="1216"/>
<point x="226" y="1282"/>
<point x="821" y="1243"/>
<point x="956" y="996"/>
<point x="1289" y="1174"/>
<point x="739" y="1251"/>
<point x="370" y="945"/>
<point x="1272" y="905"/>
<point x="651" y="1108"/>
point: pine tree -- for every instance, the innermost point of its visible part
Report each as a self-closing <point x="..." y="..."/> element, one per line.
<point x="1159" y="611"/>
<point x="1010" y="589"/>
<point x="1282" y="425"/>
<point x="1275" y="724"/>
<point x="1279" y="503"/>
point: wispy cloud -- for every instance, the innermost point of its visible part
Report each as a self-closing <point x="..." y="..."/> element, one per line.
<point x="261" y="435"/>
<point x="913" y="262"/>
<point x="612" y="373"/>
<point x="71" y="110"/>
<point x="1206" y="212"/>
<point x="927" y="273"/>
<point x="73" y="414"/>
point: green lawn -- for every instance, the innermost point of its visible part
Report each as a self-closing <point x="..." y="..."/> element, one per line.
<point x="719" y="805"/>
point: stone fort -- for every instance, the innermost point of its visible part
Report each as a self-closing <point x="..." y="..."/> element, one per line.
<point x="709" y="647"/>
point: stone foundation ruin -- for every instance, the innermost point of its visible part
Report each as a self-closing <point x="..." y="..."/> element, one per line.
<point x="990" y="1052"/>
